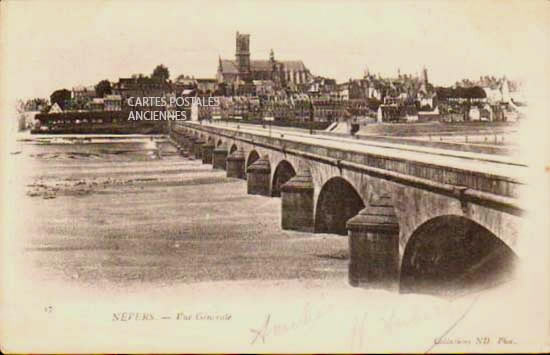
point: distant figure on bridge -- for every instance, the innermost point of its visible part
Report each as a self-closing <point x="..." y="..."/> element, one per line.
<point x="153" y="149"/>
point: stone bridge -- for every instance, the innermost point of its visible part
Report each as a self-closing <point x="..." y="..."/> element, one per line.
<point x="418" y="219"/>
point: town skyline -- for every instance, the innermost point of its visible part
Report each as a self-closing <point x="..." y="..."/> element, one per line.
<point x="339" y="44"/>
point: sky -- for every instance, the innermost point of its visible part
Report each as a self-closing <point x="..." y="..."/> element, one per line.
<point x="48" y="45"/>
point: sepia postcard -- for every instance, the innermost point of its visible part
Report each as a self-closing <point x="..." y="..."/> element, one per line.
<point x="310" y="176"/>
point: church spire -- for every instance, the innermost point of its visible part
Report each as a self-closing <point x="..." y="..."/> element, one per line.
<point x="424" y="75"/>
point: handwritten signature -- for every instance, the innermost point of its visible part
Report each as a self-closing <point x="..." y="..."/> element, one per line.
<point x="269" y="328"/>
<point x="389" y="322"/>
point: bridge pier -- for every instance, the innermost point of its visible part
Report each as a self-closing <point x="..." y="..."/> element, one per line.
<point x="235" y="165"/>
<point x="207" y="150"/>
<point x="189" y="144"/>
<point x="258" y="177"/>
<point x="183" y="140"/>
<point x="185" y="144"/>
<point x="180" y="150"/>
<point x="297" y="203"/>
<point x="219" y="156"/>
<point x="374" y="246"/>
<point x="176" y="140"/>
<point x="197" y="148"/>
<point x="182" y="144"/>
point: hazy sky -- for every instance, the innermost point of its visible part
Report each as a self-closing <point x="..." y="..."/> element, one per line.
<point x="49" y="45"/>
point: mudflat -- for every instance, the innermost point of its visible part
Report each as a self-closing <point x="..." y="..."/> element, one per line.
<point x="115" y="213"/>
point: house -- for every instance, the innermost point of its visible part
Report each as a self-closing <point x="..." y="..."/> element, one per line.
<point x="207" y="86"/>
<point x="83" y="93"/>
<point x="97" y="104"/>
<point x="505" y="92"/>
<point x="388" y="112"/>
<point x="426" y="100"/>
<point x="357" y="108"/>
<point x="55" y="108"/>
<point x="264" y="87"/>
<point x="353" y="89"/>
<point x="327" y="109"/>
<point x="343" y="91"/>
<point x="320" y="86"/>
<point x="112" y="103"/>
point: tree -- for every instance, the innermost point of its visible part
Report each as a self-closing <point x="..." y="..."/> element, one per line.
<point x="39" y="104"/>
<point x="161" y="72"/>
<point x="477" y="93"/>
<point x="61" y="97"/>
<point x="103" y="88"/>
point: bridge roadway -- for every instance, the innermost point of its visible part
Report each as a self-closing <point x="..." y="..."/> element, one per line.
<point x="498" y="165"/>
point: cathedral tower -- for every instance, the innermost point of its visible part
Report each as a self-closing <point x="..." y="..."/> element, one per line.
<point x="242" y="55"/>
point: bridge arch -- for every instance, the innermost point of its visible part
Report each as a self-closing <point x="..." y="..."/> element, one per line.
<point x="283" y="172"/>
<point x="210" y="139"/>
<point x="220" y="142"/>
<point x="232" y="149"/>
<point x="252" y="157"/>
<point x="451" y="253"/>
<point x="338" y="201"/>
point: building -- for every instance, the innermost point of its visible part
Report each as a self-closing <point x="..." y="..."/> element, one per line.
<point x="278" y="109"/>
<point x="97" y="104"/>
<point x="301" y="107"/>
<point x="243" y="70"/>
<point x="112" y="103"/>
<point x="389" y="112"/>
<point x="353" y="89"/>
<point x="357" y="108"/>
<point x="55" y="108"/>
<point x="264" y="88"/>
<point x="320" y="86"/>
<point x="207" y="86"/>
<point x="140" y="87"/>
<point x="83" y="93"/>
<point x="326" y="109"/>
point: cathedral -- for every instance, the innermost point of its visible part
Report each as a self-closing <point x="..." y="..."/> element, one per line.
<point x="243" y="70"/>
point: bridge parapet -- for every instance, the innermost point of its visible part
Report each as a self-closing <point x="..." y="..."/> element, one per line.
<point x="470" y="185"/>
